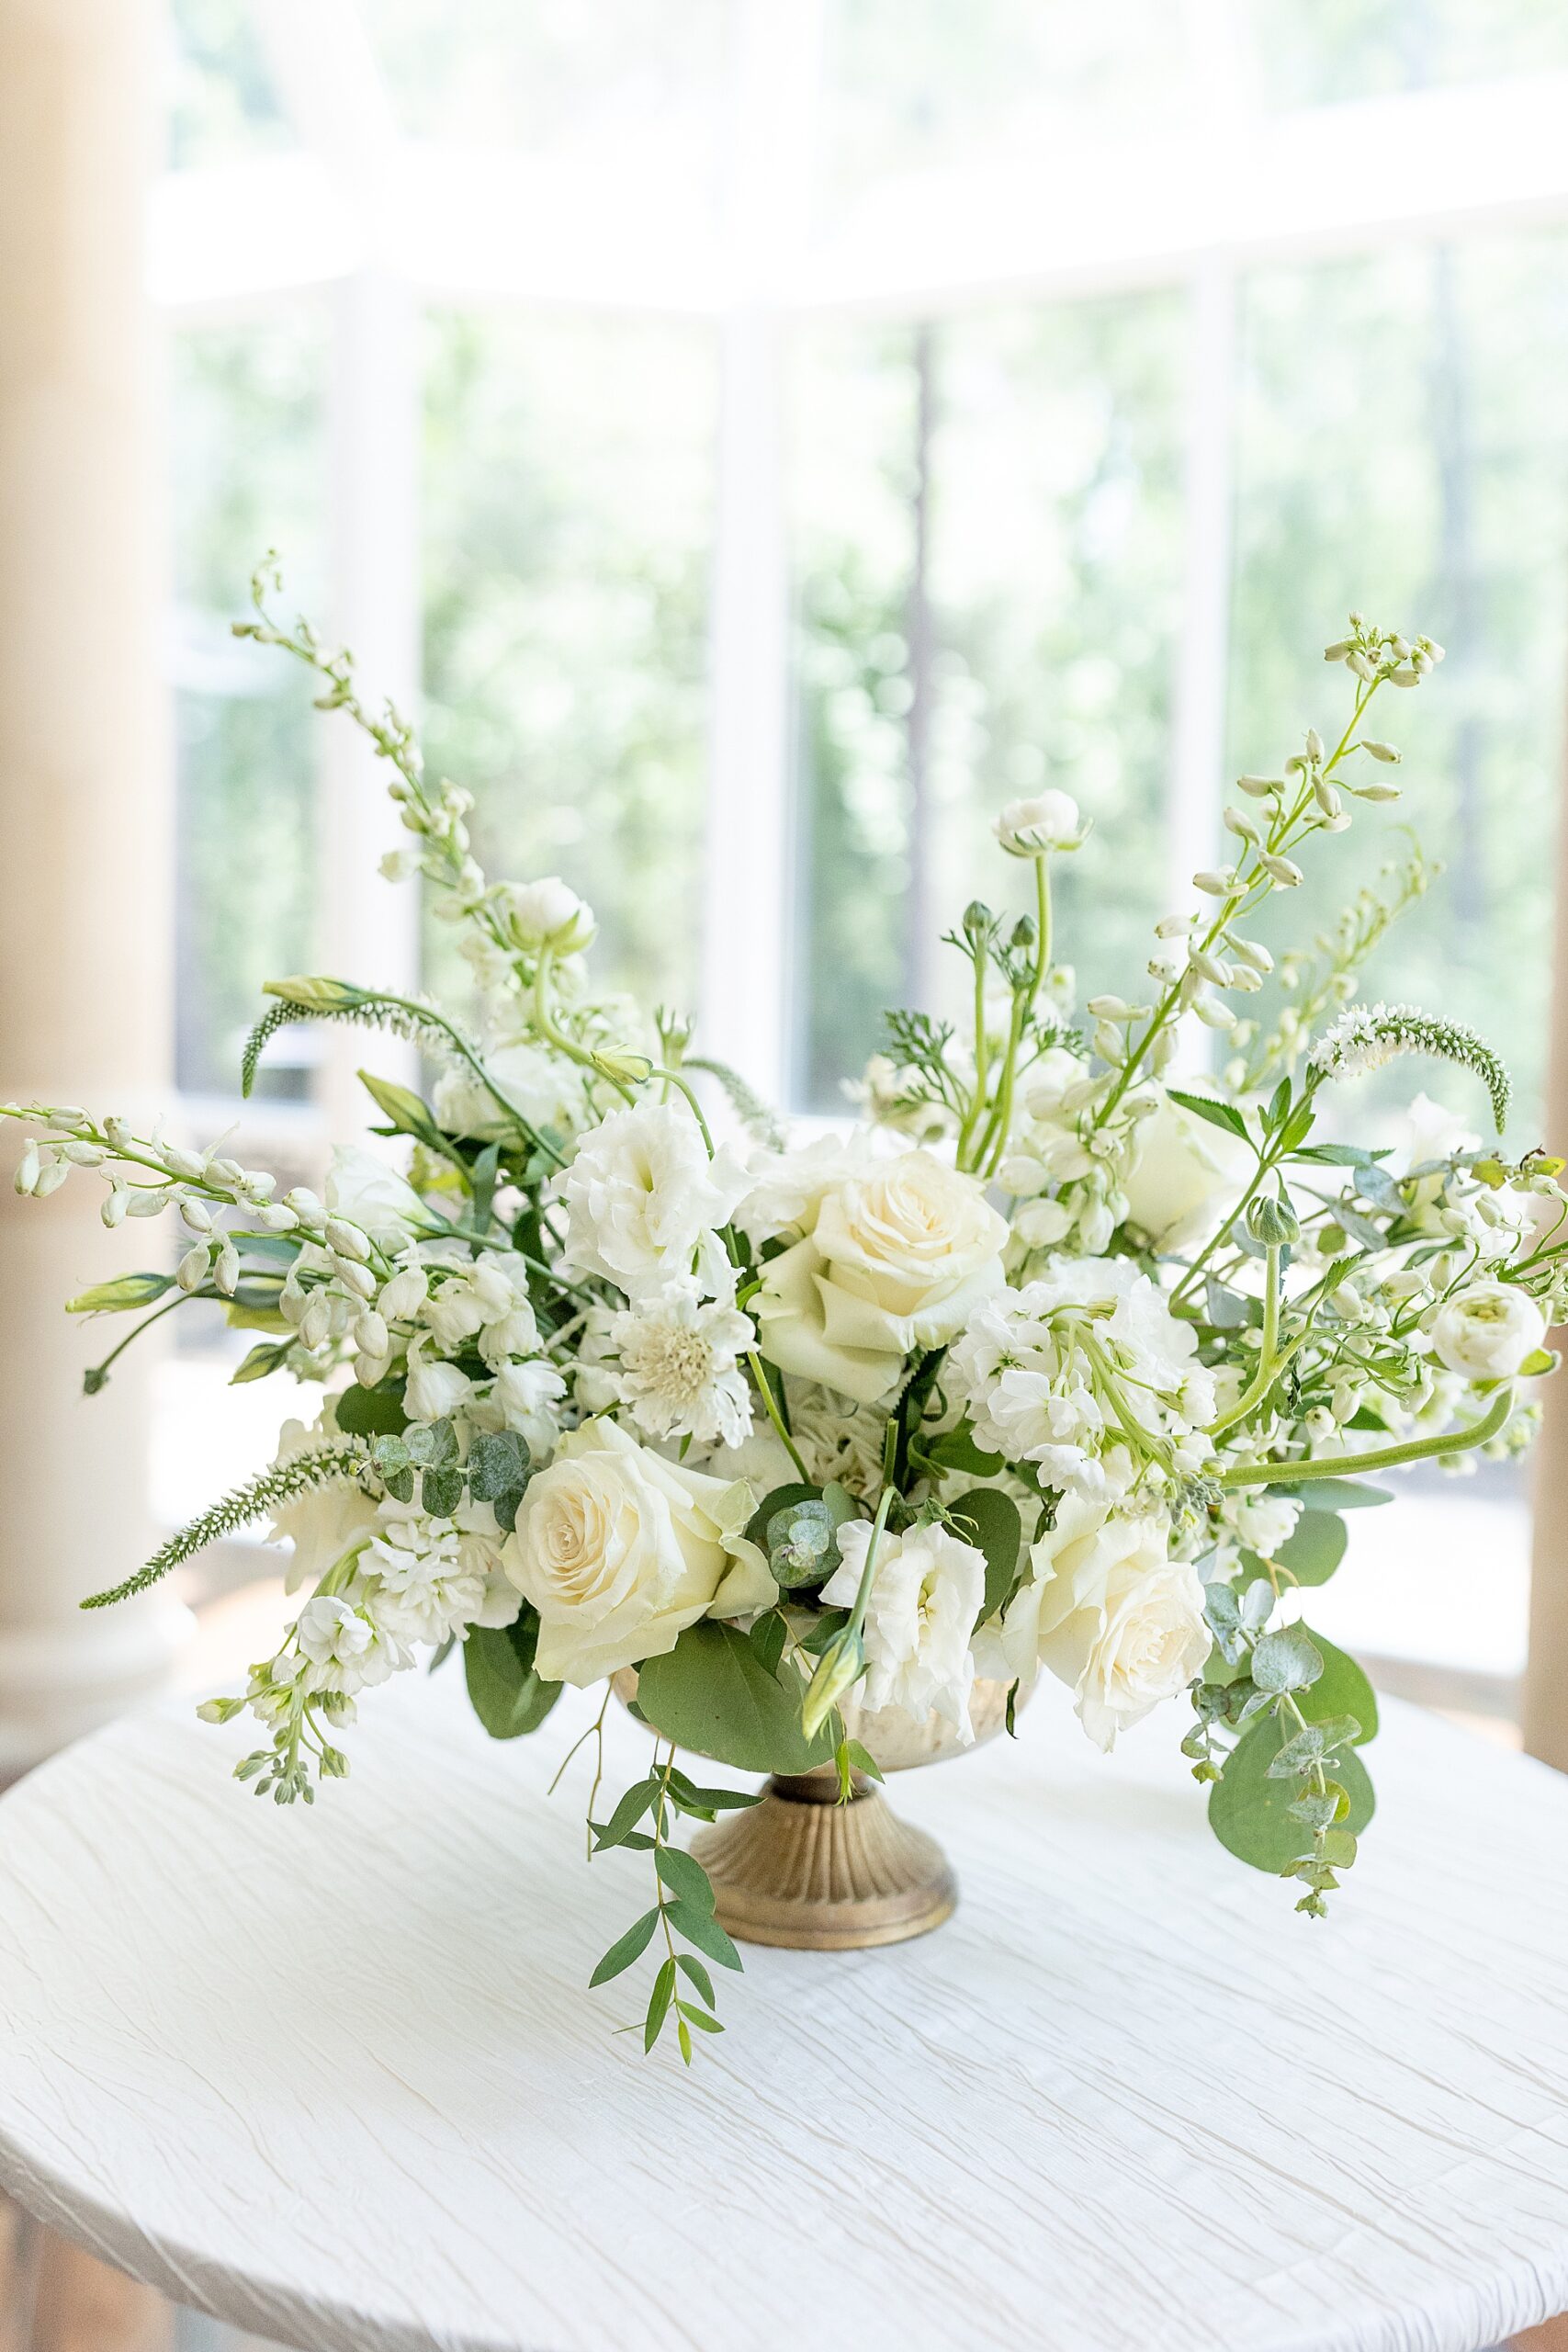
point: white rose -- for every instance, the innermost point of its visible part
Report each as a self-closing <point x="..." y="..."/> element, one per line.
<point x="1047" y="820"/>
<point x="546" y="1090"/>
<point x="324" y="1522"/>
<point x="1488" y="1331"/>
<point x="550" y="915"/>
<point x="892" y="1259"/>
<point x="641" y="1195"/>
<point x="926" y="1591"/>
<point x="1110" y="1612"/>
<point x="1185" y="1173"/>
<point x="620" y="1551"/>
<point x="369" y="1194"/>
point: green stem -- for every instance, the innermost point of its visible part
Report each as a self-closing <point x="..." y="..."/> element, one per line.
<point x="982" y="1064"/>
<point x="868" y="1574"/>
<point x="755" y="1364"/>
<point x="1384" y="1457"/>
<point x="1043" y="934"/>
<point x="549" y="1028"/>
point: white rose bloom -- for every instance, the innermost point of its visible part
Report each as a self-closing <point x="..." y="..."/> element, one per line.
<point x="1110" y="1614"/>
<point x="892" y="1259"/>
<point x="321" y="1524"/>
<point x="641" y="1195"/>
<point x="433" y="1391"/>
<point x="550" y="915"/>
<point x="926" y="1591"/>
<point x="1185" y="1174"/>
<point x="679" y="1373"/>
<point x="1045" y="820"/>
<point x="620" y="1551"/>
<point x="1487" y="1332"/>
<point x="546" y="1089"/>
<point x="788" y="1187"/>
<point x="369" y="1194"/>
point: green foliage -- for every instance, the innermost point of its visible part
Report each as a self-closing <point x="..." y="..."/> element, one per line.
<point x="323" y="1465"/>
<point x="116" y="1297"/>
<point x="713" y="1695"/>
<point x="683" y="1907"/>
<point x="988" y="1519"/>
<point x="373" y="1412"/>
<point x="506" y="1692"/>
<point x="1249" y="1807"/>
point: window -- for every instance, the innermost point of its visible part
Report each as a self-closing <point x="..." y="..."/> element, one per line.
<point x="838" y="415"/>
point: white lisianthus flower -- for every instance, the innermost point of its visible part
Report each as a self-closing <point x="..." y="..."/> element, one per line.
<point x="322" y="1524"/>
<point x="642" y="1196"/>
<point x="1488" y="1331"/>
<point x="434" y="1390"/>
<point x="1110" y="1612"/>
<point x="927" y="1589"/>
<point x="679" y="1373"/>
<point x="550" y="915"/>
<point x="344" y="1647"/>
<point x="1047" y="820"/>
<point x="1184" y="1174"/>
<point x="369" y="1194"/>
<point x="892" y="1259"/>
<point x="547" y="1091"/>
<point x="620" y="1551"/>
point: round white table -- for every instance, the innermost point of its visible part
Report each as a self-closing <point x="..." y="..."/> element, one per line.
<point x="335" y="2076"/>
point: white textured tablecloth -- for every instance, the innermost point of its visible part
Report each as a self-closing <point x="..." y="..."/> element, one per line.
<point x="335" y="2076"/>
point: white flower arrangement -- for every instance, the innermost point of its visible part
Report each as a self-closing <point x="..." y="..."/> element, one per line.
<point x="1048" y="1363"/>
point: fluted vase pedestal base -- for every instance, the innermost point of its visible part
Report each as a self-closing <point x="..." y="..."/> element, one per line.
<point x="804" y="1870"/>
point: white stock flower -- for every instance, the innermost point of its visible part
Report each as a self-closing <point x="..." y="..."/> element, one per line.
<point x="1184" y="1173"/>
<point x="1261" y="1521"/>
<point x="892" y="1259"/>
<point x="1077" y="1368"/>
<point x="926" y="1591"/>
<point x="546" y="1089"/>
<point x="435" y="1577"/>
<point x="550" y="915"/>
<point x="1109" y="1613"/>
<point x="678" y="1373"/>
<point x="1047" y="820"/>
<point x="434" y="1390"/>
<point x="620" y="1551"/>
<point x="641" y="1195"/>
<point x="345" y="1649"/>
<point x="1488" y="1331"/>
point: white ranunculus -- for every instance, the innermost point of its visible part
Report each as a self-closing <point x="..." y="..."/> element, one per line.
<point x="641" y="1195"/>
<point x="926" y="1591"/>
<point x="1487" y="1332"/>
<point x="321" y="1524"/>
<point x="550" y="915"/>
<point x="546" y="1089"/>
<point x="1047" y="820"/>
<point x="620" y="1551"/>
<point x="1111" y="1613"/>
<point x="892" y="1259"/>
<point x="369" y="1194"/>
<point x="1185" y="1174"/>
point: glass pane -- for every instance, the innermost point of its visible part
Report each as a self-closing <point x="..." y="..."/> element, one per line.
<point x="1035" y="641"/>
<point x="221" y="99"/>
<point x="1404" y="452"/>
<point x="568" y="534"/>
<point x="913" y="84"/>
<point x="621" y="78"/>
<point x="1359" y="49"/>
<point x="248" y="472"/>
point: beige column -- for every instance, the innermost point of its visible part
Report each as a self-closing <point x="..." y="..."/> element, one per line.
<point x="1546" y="1675"/>
<point x="86" y="821"/>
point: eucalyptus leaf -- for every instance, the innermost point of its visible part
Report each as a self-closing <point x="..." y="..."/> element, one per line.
<point x="1250" y="1812"/>
<point x="626" y="1949"/>
<point x="1287" y="1659"/>
<point x="373" y="1412"/>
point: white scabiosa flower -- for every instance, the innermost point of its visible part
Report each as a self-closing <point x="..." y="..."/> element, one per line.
<point x="926" y="1591"/>
<point x="642" y="1194"/>
<point x="679" y="1372"/>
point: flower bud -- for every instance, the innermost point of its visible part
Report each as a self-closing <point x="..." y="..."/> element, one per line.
<point x="195" y="1213"/>
<point x="277" y="1218"/>
<point x="1258" y="788"/>
<point x="1327" y="799"/>
<point x="148" y="1200"/>
<point x="371" y="1334"/>
<point x="976" y="920"/>
<point x="1282" y="871"/>
<point x="1384" y="751"/>
<point x="1273" y="1222"/>
<point x="191" y="1271"/>
<point x="347" y="1240"/>
<point x="550" y="915"/>
<point x="1047" y="820"/>
<point x="315" y="1324"/>
<point x="622" y="1066"/>
<point x="1217" y="883"/>
<point x="1313" y="745"/>
<point x="112" y="1206"/>
<point x="839" y="1668"/>
<point x="51" y="1174"/>
<point x="1249" y="951"/>
<point x="26" y="1173"/>
<point x="354" y="1278"/>
<point x="226" y="1272"/>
